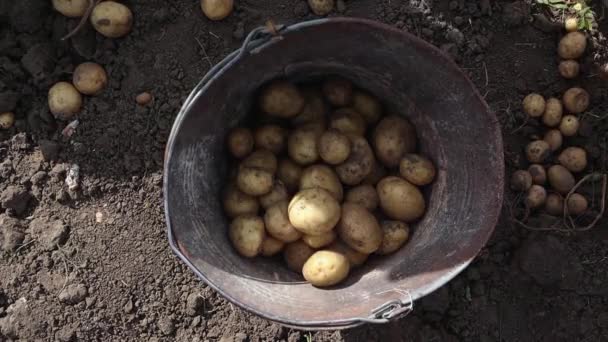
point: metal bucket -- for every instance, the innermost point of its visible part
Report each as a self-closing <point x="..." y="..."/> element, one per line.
<point x="455" y="127"/>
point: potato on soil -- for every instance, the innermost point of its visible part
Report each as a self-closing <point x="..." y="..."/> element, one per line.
<point x="378" y="172"/>
<point x="395" y="235"/>
<point x="553" y="112"/>
<point x="318" y="241"/>
<point x="537" y="151"/>
<point x="271" y="138"/>
<point x="277" y="194"/>
<point x="323" y="177"/>
<point x="314" y="211"/>
<point x="314" y="108"/>
<point x="272" y="246"/>
<point x="571" y="24"/>
<point x="573" y="158"/>
<point x="400" y="200"/>
<point x="569" y="126"/>
<point x="277" y="223"/>
<point x="90" y="78"/>
<point x="71" y="8"/>
<point x="364" y="195"/>
<point x="554" y="138"/>
<point x="302" y="146"/>
<point x="355" y="258"/>
<point x="289" y="173"/>
<point x="534" y="105"/>
<point x="338" y="91"/>
<point x="334" y="147"/>
<point x="296" y="254"/>
<point x="7" y="120"/>
<point x="560" y="179"/>
<point x="240" y="142"/>
<point x="367" y="105"/>
<point x="326" y="268"/>
<point x="572" y="45"/>
<point x="417" y="169"/>
<point x="521" y="180"/>
<point x="281" y="99"/>
<point x="144" y="98"/>
<point x="538" y="173"/>
<point x="247" y="235"/>
<point x="347" y="121"/>
<point x="254" y="181"/>
<point x="217" y="9"/>
<point x="393" y="137"/>
<point x="261" y="159"/>
<point x="359" y="228"/>
<point x="64" y="100"/>
<point x="237" y="203"/>
<point x="536" y="196"/>
<point x="577" y="204"/>
<point x="569" y="69"/>
<point x="359" y="163"/>
<point x="112" y="19"/>
<point x="321" y="7"/>
<point x="576" y="100"/>
<point x="554" y="205"/>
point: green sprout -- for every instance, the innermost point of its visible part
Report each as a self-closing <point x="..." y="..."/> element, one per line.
<point x="578" y="9"/>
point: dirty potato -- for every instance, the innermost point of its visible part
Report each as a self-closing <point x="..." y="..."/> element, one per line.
<point x="64" y="100"/>
<point x="254" y="181"/>
<point x="261" y="159"/>
<point x="538" y="173"/>
<point x="296" y="254"/>
<point x="364" y="195"/>
<point x="400" y="200"/>
<point x="277" y="194"/>
<point x="521" y="180"/>
<point x="302" y="146"/>
<point x="71" y="8"/>
<point x="359" y="163"/>
<point x="338" y="91"/>
<point x="537" y="151"/>
<point x="577" y="204"/>
<point x="314" y="211"/>
<point x="277" y="223"/>
<point x="553" y="112"/>
<point x="271" y="138"/>
<point x="368" y="106"/>
<point x="247" y="235"/>
<point x="569" y="126"/>
<point x="326" y="268"/>
<point x="112" y="19"/>
<point x="281" y="99"/>
<point x="573" y="158"/>
<point x="554" y="205"/>
<point x="395" y="235"/>
<point x="536" y="197"/>
<point x="217" y="9"/>
<point x="272" y="246"/>
<point x="289" y="173"/>
<point x="334" y="147"/>
<point x="347" y="121"/>
<point x="359" y="228"/>
<point x="393" y="137"/>
<point x="318" y="241"/>
<point x="560" y="179"/>
<point x="323" y="177"/>
<point x="417" y="169"/>
<point x="576" y="100"/>
<point x="321" y="7"/>
<point x="572" y="45"/>
<point x="569" y="69"/>
<point x="314" y="109"/>
<point x="90" y="78"/>
<point x="240" y="142"/>
<point x="534" y="105"/>
<point x="7" y="120"/>
<point x="554" y="138"/>
<point x="237" y="203"/>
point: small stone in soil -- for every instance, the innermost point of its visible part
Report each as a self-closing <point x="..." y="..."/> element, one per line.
<point x="73" y="294"/>
<point x="15" y="197"/>
<point x="194" y="303"/>
<point x="166" y="326"/>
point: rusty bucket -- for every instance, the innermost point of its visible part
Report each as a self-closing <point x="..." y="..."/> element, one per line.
<point x="456" y="129"/>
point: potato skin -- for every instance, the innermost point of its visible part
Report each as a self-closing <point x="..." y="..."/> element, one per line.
<point x="359" y="228"/>
<point x="400" y="200"/>
<point x="271" y="138"/>
<point x="395" y="235"/>
<point x="364" y="195"/>
<point x="289" y="173"/>
<point x="338" y="91"/>
<point x="217" y="9"/>
<point x="277" y="223"/>
<point x="322" y="176"/>
<point x="573" y="158"/>
<point x="393" y="137"/>
<point x="347" y="121"/>
<point x="314" y="211"/>
<point x="321" y="7"/>
<point x="576" y="100"/>
<point x="261" y="159"/>
<point x="302" y="146"/>
<point x="281" y="99"/>
<point x="90" y="78"/>
<point x="534" y="105"/>
<point x="359" y="163"/>
<point x="247" y="235"/>
<point x="325" y="268"/>
<point x="112" y="19"/>
<point x="71" y="8"/>
<point x="277" y="194"/>
<point x="537" y="151"/>
<point x="572" y="45"/>
<point x="237" y="203"/>
<point x="272" y="246"/>
<point x="538" y="174"/>
<point x="64" y="100"/>
<point x="521" y="180"/>
<point x="577" y="204"/>
<point x="240" y="142"/>
<point x="7" y="120"/>
<point x="417" y="169"/>
<point x="354" y="258"/>
<point x="569" y="126"/>
<point x="536" y="197"/>
<point x="553" y="112"/>
<point x="368" y="106"/>
<point x="554" y="205"/>
<point x="560" y="179"/>
<point x="569" y="69"/>
<point x="254" y="181"/>
<point x="318" y="241"/>
<point x="296" y="254"/>
<point x="554" y="138"/>
<point x="334" y="147"/>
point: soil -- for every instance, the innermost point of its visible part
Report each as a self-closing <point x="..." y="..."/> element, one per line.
<point x="90" y="261"/>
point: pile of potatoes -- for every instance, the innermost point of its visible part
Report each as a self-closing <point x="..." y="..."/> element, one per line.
<point x="110" y="18"/>
<point x="324" y="178"/>
<point x="571" y="47"/>
<point x="550" y="164"/>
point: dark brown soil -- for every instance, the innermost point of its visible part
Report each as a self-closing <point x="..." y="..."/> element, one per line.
<point x="93" y="263"/>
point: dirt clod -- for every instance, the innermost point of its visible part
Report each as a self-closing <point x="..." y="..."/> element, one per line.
<point x="15" y="197"/>
<point x="49" y="149"/>
<point x="73" y="294"/>
<point x="166" y="326"/>
<point x="49" y="234"/>
<point x="194" y="304"/>
<point x="11" y="233"/>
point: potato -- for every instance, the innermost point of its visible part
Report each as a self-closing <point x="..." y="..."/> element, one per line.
<point x="240" y="142"/>
<point x="318" y="241"/>
<point x="538" y="174"/>
<point x="400" y="200"/>
<point x="521" y="180"/>
<point x="553" y="112"/>
<point x="217" y="9"/>
<point x="281" y="99"/>
<point x="237" y="203"/>
<point x="560" y="179"/>
<point x="277" y="194"/>
<point x="577" y="204"/>
<point x="395" y="235"/>
<point x="347" y="121"/>
<point x="7" y="120"/>
<point x="417" y="169"/>
<point x="314" y="109"/>
<point x="569" y="69"/>
<point x="571" y="24"/>
<point x="537" y="151"/>
<point x="71" y="8"/>
<point x="318" y="127"/>
<point x="112" y="19"/>
<point x="302" y="146"/>
<point x="64" y="100"/>
<point x="354" y="258"/>
<point x="359" y="163"/>
<point x="323" y="177"/>
<point x="359" y="228"/>
<point x="271" y="246"/>
<point x="338" y="91"/>
<point x="378" y="172"/>
<point x="573" y="158"/>
<point x="314" y="211"/>
<point x="144" y="98"/>
<point x="289" y="173"/>
<point x="569" y="125"/>
<point x="321" y="7"/>
<point x="278" y="225"/>
<point x="554" y="139"/>
<point x="367" y="106"/>
<point x="89" y="78"/>
<point x="334" y="147"/>
<point x="364" y="195"/>
<point x="271" y="138"/>
<point x="261" y="159"/>
<point x="572" y="45"/>
<point x="393" y="137"/>
<point x="576" y="100"/>
<point x="536" y="197"/>
<point x="534" y="105"/>
<point x="326" y="268"/>
<point x="254" y="181"/>
<point x="247" y="235"/>
<point x="554" y="205"/>
<point x="296" y="254"/>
